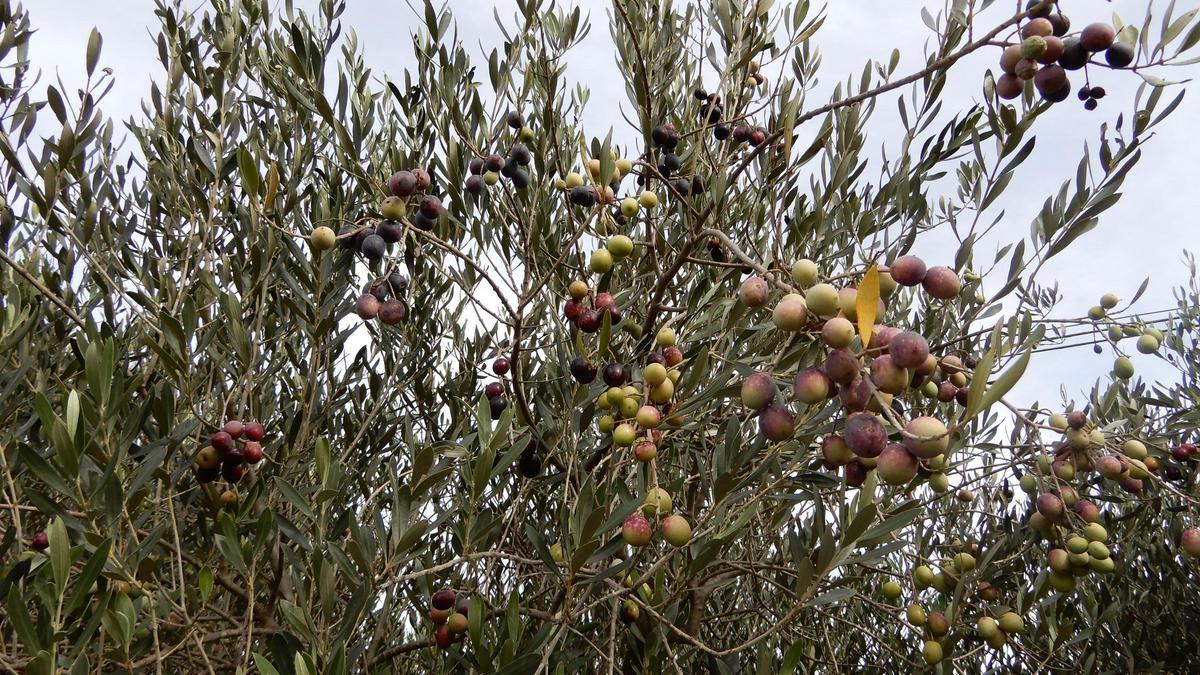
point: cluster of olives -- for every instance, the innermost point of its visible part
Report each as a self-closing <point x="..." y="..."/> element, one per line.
<point x="589" y="320"/>
<point x="744" y="133"/>
<point x="1129" y="465"/>
<point x="899" y="361"/>
<point x="448" y="611"/>
<point x="1082" y="552"/>
<point x="1085" y="449"/>
<point x="604" y="189"/>
<point x="383" y="299"/>
<point x="229" y="451"/>
<point x="1046" y="53"/>
<point x="486" y="171"/>
<point x="935" y="627"/>
<point x="1091" y="96"/>
<point x="1183" y="452"/>
<point x="637" y="530"/>
<point x="1060" y="513"/>
<point x="584" y="194"/>
<point x="630" y="409"/>
<point x="1182" y="455"/>
<point x="497" y="402"/>
<point x="634" y="410"/>
<point x="995" y="632"/>
<point x="666" y="139"/>
<point x="618" y="247"/>
<point x="530" y="462"/>
<point x="1149" y="338"/>
<point x="715" y="250"/>
<point x="373" y="242"/>
<point x="1189" y="539"/>
<point x="631" y="612"/>
<point x="712" y="110"/>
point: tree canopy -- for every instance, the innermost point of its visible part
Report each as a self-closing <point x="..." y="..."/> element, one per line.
<point x="310" y="368"/>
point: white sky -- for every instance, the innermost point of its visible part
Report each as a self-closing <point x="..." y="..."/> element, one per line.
<point x="1141" y="237"/>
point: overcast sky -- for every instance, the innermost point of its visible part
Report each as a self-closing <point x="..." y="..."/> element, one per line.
<point x="1142" y="236"/>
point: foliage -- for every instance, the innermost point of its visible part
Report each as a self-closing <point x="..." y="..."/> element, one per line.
<point x="153" y="292"/>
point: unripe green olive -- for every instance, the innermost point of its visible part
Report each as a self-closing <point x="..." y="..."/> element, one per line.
<point x="1095" y="532"/>
<point x="1147" y="344"/>
<point x="939" y="482"/>
<point x="915" y="614"/>
<point x="601" y="261"/>
<point x="620" y="246"/>
<point x="1135" y="449"/>
<point x="805" y="272"/>
<point x="1123" y="367"/>
<point x="624" y="434"/>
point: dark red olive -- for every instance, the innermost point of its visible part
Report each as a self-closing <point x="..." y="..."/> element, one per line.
<point x="589" y="321"/>
<point x="582" y="370"/>
<point x="614" y="374"/>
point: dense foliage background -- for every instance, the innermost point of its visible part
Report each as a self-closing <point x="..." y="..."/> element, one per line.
<point x="166" y="275"/>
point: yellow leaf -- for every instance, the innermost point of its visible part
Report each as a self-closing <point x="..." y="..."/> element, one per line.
<point x="272" y="188"/>
<point x="789" y="130"/>
<point x="867" y="303"/>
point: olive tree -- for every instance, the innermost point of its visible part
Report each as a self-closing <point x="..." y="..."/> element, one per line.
<point x="315" y="369"/>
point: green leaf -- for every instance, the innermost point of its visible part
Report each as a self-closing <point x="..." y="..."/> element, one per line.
<point x="81" y="666"/>
<point x="300" y="664"/>
<point x="324" y="457"/>
<point x="523" y="664"/>
<point x="22" y="624"/>
<point x="893" y="521"/>
<point x="249" y="171"/>
<point x="95" y="42"/>
<point x="272" y="187"/>
<point x="862" y="520"/>
<point x="72" y="414"/>
<point x="294" y="497"/>
<point x="509" y="457"/>
<point x="229" y="542"/>
<point x="979" y="378"/>
<point x="264" y="665"/>
<point x="1006" y="381"/>
<point x="483" y="421"/>
<point x="475" y="621"/>
<point x="830" y="597"/>
<point x="792" y="658"/>
<point x="206" y="583"/>
<point x="88" y="576"/>
<point x="44" y="471"/>
<point x="512" y="617"/>
<point x="60" y="554"/>
<point x="605" y="334"/>
<point x="41" y="664"/>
